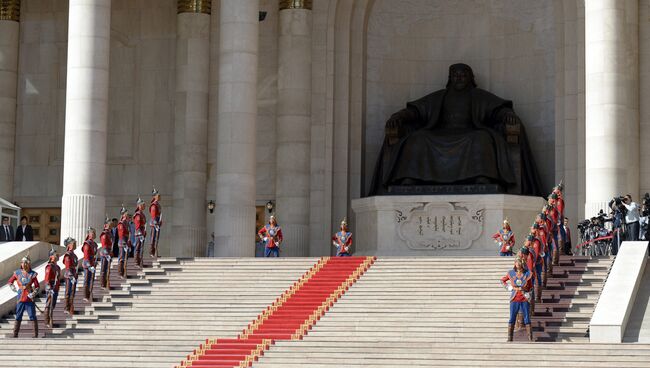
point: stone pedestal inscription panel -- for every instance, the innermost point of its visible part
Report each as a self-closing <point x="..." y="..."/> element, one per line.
<point x="439" y="225"/>
<point x="427" y="225"/>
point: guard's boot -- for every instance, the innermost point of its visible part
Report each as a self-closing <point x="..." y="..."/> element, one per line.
<point x="86" y="293"/>
<point x="519" y="324"/>
<point x="71" y="306"/>
<point x="538" y="296"/>
<point x="544" y="279"/>
<point x="532" y="307"/>
<point x="35" y="324"/>
<point x="48" y="320"/>
<point x="152" y="251"/>
<point x="529" y="332"/>
<point x="120" y="267"/>
<point x="550" y="268"/>
<point x="556" y="257"/>
<point x="16" y="328"/>
<point x="511" y="330"/>
<point x="138" y="259"/>
<point x="66" y="305"/>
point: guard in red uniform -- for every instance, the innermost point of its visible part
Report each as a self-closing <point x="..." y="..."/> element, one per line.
<point x="271" y="235"/>
<point x="529" y="257"/>
<point x="505" y="239"/>
<point x="27" y="290"/>
<point x="52" y="285"/>
<point x="89" y="262"/>
<point x="70" y="262"/>
<point x="556" y="219"/>
<point x="123" y="241"/>
<point x="538" y="247"/>
<point x="140" y="222"/>
<point x="343" y="240"/>
<point x="155" y="210"/>
<point x="518" y="282"/>
<point x="106" y="241"/>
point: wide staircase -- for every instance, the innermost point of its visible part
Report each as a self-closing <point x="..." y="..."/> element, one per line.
<point x="159" y="314"/>
<point x="299" y="312"/>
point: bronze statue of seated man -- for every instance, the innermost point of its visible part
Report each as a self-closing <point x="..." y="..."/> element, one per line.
<point x="458" y="135"/>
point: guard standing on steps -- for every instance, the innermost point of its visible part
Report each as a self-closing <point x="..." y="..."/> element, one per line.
<point x="70" y="262"/>
<point x="155" y="210"/>
<point x="555" y="217"/>
<point x="27" y="290"/>
<point x="52" y="285"/>
<point x="140" y="222"/>
<point x="539" y="261"/>
<point x="505" y="238"/>
<point x="105" y="238"/>
<point x="518" y="282"/>
<point x="343" y="240"/>
<point x="123" y="241"/>
<point x="89" y="262"/>
<point x="271" y="235"/>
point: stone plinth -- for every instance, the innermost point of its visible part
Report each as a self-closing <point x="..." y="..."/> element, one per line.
<point x="426" y="225"/>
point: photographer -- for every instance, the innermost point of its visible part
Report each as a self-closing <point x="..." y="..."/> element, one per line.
<point x="631" y="218"/>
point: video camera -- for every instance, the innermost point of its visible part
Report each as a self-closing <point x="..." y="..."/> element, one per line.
<point x="616" y="204"/>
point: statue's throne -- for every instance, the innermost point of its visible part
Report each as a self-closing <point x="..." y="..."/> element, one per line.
<point x="513" y="136"/>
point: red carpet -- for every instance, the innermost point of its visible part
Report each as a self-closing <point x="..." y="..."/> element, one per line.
<point x="290" y="317"/>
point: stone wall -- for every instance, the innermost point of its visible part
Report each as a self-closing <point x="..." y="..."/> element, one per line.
<point x="508" y="43"/>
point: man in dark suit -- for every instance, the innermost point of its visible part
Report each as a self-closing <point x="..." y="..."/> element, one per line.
<point x="24" y="231"/>
<point x="6" y="231"/>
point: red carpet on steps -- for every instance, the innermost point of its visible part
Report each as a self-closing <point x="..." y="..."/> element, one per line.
<point x="288" y="318"/>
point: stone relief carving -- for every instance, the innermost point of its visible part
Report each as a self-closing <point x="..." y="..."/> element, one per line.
<point x="432" y="226"/>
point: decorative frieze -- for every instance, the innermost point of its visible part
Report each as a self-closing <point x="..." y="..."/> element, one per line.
<point x="10" y="10"/>
<point x="194" y="6"/>
<point x="295" y="4"/>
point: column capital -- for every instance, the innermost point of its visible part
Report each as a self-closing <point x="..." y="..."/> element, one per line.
<point x="295" y="4"/>
<point x="194" y="6"/>
<point x="10" y="10"/>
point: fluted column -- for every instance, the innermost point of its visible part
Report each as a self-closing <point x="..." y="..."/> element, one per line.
<point x="191" y="127"/>
<point x="9" y="28"/>
<point x="235" y="181"/>
<point x="86" y="116"/>
<point x="612" y="101"/>
<point x="294" y="125"/>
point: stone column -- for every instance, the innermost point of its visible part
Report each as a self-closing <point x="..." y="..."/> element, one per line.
<point x="191" y="128"/>
<point x="294" y="125"/>
<point x="612" y="101"/>
<point x="86" y="117"/>
<point x="9" y="27"/>
<point x="235" y="192"/>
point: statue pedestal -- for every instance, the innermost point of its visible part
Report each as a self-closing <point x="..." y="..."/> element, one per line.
<point x="430" y="225"/>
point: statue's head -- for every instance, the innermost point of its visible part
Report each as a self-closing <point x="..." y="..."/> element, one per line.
<point x="461" y="76"/>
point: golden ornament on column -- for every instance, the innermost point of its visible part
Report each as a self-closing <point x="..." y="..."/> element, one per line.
<point x="295" y="4"/>
<point x="194" y="6"/>
<point x="10" y="10"/>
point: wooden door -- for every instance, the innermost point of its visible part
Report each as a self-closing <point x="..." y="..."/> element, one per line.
<point x="46" y="223"/>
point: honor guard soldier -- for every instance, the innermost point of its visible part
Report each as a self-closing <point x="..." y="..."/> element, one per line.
<point x="140" y="222"/>
<point x="271" y="235"/>
<point x="52" y="285"/>
<point x="89" y="262"/>
<point x="505" y="239"/>
<point x="538" y="247"/>
<point x="105" y="239"/>
<point x="343" y="240"/>
<point x="518" y="282"/>
<point x="123" y="241"/>
<point x="70" y="262"/>
<point x="155" y="210"/>
<point x="27" y="290"/>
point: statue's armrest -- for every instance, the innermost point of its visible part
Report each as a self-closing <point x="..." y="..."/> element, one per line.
<point x="400" y="124"/>
<point x="509" y="124"/>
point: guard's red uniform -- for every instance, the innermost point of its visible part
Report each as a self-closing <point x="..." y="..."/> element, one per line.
<point x="105" y="255"/>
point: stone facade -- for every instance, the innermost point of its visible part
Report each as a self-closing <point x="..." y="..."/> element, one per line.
<point x="368" y="58"/>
